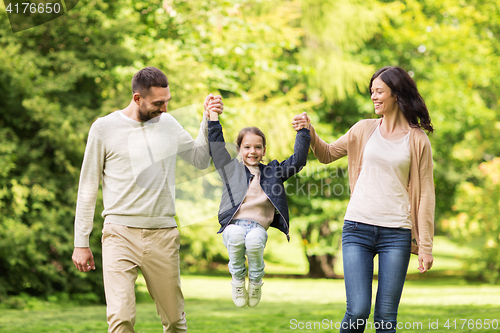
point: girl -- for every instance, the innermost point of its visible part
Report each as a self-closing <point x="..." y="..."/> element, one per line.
<point x="253" y="199"/>
<point x="391" y="210"/>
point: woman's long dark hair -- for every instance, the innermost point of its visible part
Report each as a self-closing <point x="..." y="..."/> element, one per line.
<point x="409" y="100"/>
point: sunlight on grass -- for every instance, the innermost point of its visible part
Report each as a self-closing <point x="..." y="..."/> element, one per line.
<point x="289" y="258"/>
<point x="274" y="290"/>
<point x="433" y="298"/>
<point x="429" y="294"/>
<point x="283" y="257"/>
<point x="210" y="309"/>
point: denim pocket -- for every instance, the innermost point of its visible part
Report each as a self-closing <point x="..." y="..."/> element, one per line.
<point x="350" y="225"/>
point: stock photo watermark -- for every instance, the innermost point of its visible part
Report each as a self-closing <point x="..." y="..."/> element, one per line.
<point x="430" y="324"/>
<point x="26" y="14"/>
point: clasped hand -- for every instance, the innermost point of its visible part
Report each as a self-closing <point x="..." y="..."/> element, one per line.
<point x="301" y="121"/>
<point x="213" y="106"/>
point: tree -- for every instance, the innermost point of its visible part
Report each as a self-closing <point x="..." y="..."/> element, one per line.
<point x="59" y="77"/>
<point x="450" y="49"/>
<point x="54" y="79"/>
<point x="336" y="73"/>
<point x="476" y="220"/>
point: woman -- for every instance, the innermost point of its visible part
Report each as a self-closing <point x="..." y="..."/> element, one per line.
<point x="391" y="210"/>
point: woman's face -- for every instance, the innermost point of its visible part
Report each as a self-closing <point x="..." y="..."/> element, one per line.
<point x="382" y="98"/>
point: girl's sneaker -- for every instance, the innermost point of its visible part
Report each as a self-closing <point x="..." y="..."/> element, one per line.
<point x="254" y="293"/>
<point x="240" y="295"/>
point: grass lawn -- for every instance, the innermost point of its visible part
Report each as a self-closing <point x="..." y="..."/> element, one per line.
<point x="429" y="302"/>
<point x="286" y="304"/>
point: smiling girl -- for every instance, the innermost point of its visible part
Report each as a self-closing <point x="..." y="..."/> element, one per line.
<point x="253" y="199"/>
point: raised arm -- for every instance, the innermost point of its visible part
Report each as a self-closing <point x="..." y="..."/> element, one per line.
<point x="196" y="152"/>
<point x="298" y="160"/>
<point x="218" y="151"/>
<point x="324" y="152"/>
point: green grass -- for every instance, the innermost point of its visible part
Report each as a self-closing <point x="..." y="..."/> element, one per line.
<point x="209" y="308"/>
<point x="440" y="295"/>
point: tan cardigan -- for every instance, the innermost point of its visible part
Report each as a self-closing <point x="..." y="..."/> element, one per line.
<point x="421" y="184"/>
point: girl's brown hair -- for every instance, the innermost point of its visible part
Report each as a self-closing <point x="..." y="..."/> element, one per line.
<point x="253" y="130"/>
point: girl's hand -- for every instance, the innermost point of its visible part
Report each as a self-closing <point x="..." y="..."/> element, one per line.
<point x="301" y="121"/>
<point x="213" y="106"/>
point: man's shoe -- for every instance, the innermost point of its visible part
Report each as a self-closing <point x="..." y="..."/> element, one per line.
<point x="254" y="293"/>
<point x="240" y="296"/>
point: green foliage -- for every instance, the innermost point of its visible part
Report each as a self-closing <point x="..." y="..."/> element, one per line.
<point x="476" y="219"/>
<point x="318" y="198"/>
<point x="59" y="77"/>
<point x="450" y="48"/>
<point x="53" y="78"/>
<point x="336" y="72"/>
<point x="332" y="45"/>
<point x="270" y="60"/>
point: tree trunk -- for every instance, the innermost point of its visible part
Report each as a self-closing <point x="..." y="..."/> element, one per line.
<point x="322" y="266"/>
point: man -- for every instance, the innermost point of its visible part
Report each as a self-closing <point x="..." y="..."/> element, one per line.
<point x="134" y="151"/>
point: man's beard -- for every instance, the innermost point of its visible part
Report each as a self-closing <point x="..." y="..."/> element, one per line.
<point x="145" y="115"/>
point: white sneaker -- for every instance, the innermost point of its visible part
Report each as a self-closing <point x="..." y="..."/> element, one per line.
<point x="240" y="296"/>
<point x="254" y="293"/>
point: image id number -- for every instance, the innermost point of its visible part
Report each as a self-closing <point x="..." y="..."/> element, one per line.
<point x="471" y="324"/>
<point x="32" y="7"/>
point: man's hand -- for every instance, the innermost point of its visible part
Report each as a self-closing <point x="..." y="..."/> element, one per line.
<point x="213" y="104"/>
<point x="301" y="121"/>
<point x="83" y="259"/>
<point x="425" y="262"/>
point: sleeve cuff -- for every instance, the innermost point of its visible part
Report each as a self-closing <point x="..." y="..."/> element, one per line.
<point x="82" y="241"/>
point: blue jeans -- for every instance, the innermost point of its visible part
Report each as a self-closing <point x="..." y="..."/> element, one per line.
<point x="245" y="237"/>
<point x="360" y="243"/>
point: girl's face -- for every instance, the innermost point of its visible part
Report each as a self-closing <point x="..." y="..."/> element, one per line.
<point x="382" y="99"/>
<point x="252" y="149"/>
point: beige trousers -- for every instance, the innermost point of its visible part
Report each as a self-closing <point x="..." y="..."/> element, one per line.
<point x="156" y="253"/>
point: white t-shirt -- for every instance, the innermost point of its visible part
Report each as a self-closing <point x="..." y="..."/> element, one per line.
<point x="381" y="196"/>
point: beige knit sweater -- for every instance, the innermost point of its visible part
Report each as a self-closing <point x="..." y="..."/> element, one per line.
<point x="136" y="163"/>
<point x="421" y="185"/>
<point x="256" y="206"/>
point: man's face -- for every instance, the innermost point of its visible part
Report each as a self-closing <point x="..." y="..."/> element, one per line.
<point x="154" y="103"/>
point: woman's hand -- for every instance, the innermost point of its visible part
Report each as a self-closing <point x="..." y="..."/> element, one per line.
<point x="425" y="262"/>
<point x="301" y="121"/>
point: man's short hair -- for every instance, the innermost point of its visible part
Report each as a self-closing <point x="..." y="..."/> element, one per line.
<point x="146" y="78"/>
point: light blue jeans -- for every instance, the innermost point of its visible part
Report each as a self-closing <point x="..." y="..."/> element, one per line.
<point x="245" y="237"/>
<point x="360" y="243"/>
